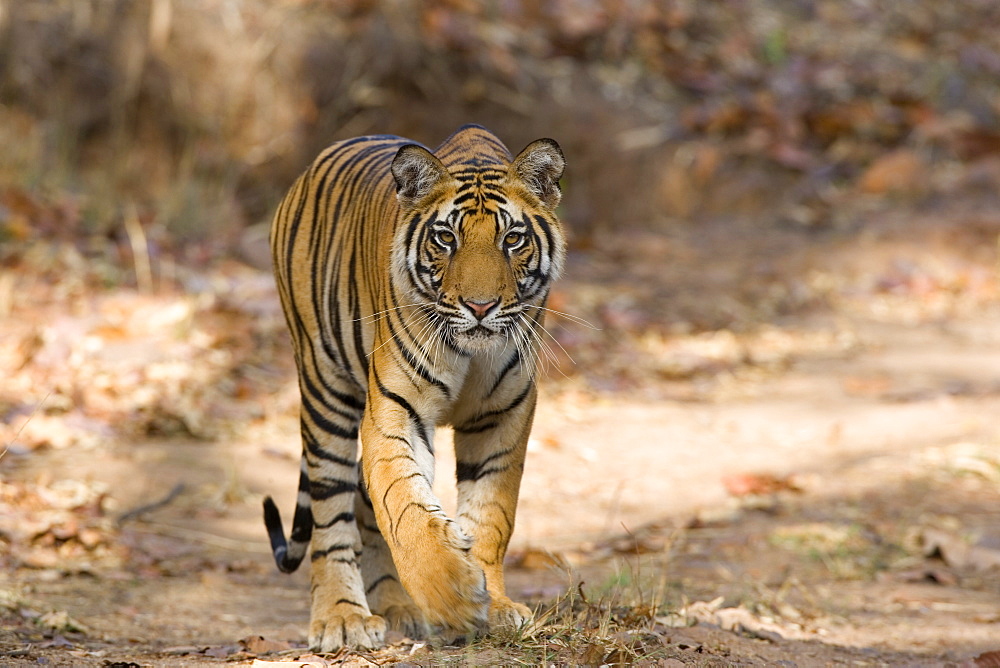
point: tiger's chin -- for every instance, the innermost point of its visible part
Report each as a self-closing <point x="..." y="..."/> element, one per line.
<point x="478" y="339"/>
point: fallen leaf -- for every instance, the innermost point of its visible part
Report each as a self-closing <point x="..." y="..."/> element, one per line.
<point x="220" y="652"/>
<point x="900" y="171"/>
<point x="989" y="659"/>
<point x="868" y="385"/>
<point x="260" y="645"/>
<point x="592" y="655"/>
<point x="357" y="662"/>
<point x="946" y="546"/>
<point x="536" y="559"/>
<point x="741" y="620"/>
<point x="638" y="544"/>
<point x="758" y="484"/>
<point x="931" y="575"/>
<point x="698" y="611"/>
<point x="57" y="641"/>
<point x="183" y="649"/>
<point x="59" y="620"/>
<point x="737" y="620"/>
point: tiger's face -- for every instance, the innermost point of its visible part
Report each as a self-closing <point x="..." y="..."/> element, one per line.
<point x="480" y="245"/>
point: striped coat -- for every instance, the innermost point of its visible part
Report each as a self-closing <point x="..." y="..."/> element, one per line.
<point x="413" y="284"/>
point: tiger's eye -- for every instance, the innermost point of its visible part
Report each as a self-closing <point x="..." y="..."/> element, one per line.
<point x="445" y="237"/>
<point x="513" y="238"/>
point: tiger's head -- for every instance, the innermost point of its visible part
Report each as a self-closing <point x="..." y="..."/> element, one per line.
<point x="479" y="244"/>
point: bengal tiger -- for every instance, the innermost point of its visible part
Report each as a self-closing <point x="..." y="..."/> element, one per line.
<point x="414" y="285"/>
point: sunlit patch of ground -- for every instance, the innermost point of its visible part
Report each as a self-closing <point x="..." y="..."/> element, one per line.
<point x="815" y="481"/>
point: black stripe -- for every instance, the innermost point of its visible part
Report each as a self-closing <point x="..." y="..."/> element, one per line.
<point x="384" y="578"/>
<point x="473" y="473"/>
<point x="546" y="229"/>
<point x="466" y="471"/>
<point x="478" y="429"/>
<point x="415" y="364"/>
<point x="339" y="547"/>
<point x="325" y="423"/>
<point x="359" y="344"/>
<point x="414" y="416"/>
<point x="316" y="450"/>
<point x="361" y="164"/>
<point x="309" y="387"/>
<point x="385" y="495"/>
<point x="365" y="499"/>
<point x="471" y="427"/>
<point x="349" y="602"/>
<point x="514" y="360"/>
<point x="320" y="491"/>
<point x="342" y="517"/>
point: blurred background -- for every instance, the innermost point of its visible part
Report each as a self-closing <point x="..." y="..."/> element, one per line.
<point x="784" y="220"/>
<point x="719" y="153"/>
<point x="199" y="114"/>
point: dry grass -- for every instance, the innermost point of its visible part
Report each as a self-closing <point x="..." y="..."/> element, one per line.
<point x="574" y="630"/>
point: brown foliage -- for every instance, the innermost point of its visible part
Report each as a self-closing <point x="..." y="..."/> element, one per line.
<point x="202" y="113"/>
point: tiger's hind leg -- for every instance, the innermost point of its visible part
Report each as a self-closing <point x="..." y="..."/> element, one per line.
<point x="386" y="596"/>
<point x="339" y="614"/>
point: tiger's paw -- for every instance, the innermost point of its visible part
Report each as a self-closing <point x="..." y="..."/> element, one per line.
<point x="386" y="597"/>
<point x="353" y="630"/>
<point x="406" y="619"/>
<point x="444" y="581"/>
<point x="507" y="615"/>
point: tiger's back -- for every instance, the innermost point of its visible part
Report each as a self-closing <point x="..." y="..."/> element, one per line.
<point x="336" y="213"/>
<point x="413" y="285"/>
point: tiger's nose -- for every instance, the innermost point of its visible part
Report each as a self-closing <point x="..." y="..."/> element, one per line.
<point x="479" y="308"/>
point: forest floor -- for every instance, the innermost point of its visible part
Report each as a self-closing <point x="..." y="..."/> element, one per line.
<point x="779" y="447"/>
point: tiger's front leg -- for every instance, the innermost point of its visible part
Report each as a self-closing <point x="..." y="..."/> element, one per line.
<point x="430" y="550"/>
<point x="490" y="448"/>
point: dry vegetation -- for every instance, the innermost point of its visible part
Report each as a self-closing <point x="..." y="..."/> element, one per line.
<point x="771" y="202"/>
<point x="195" y="115"/>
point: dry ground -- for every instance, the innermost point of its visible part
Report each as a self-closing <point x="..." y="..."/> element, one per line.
<point x="780" y="448"/>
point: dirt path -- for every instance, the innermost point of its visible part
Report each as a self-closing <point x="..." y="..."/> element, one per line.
<point x="829" y="503"/>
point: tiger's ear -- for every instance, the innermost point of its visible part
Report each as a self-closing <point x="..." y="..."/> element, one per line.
<point x="416" y="171"/>
<point x="540" y="166"/>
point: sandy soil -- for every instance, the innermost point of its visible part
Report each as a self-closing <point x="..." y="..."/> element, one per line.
<point x="844" y="504"/>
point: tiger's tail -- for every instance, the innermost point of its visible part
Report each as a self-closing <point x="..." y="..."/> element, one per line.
<point x="289" y="554"/>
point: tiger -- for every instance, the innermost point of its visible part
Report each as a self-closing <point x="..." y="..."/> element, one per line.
<point x="413" y="283"/>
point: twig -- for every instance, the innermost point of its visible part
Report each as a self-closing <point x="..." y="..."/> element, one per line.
<point x="204" y="537"/>
<point x="135" y="513"/>
<point x="37" y="407"/>
<point x="140" y="252"/>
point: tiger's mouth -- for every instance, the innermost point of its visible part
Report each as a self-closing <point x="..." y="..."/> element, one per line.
<point x="477" y="332"/>
<point x="483" y="335"/>
<point x="477" y="338"/>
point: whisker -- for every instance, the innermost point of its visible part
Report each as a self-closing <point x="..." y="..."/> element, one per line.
<point x="531" y="340"/>
<point x="394" y="337"/>
<point x="544" y="347"/>
<point x="439" y="334"/>
<point x="526" y="360"/>
<point x="377" y="315"/>
<point x="382" y="345"/>
<point x="569" y="316"/>
<point x="428" y="323"/>
<point x="556" y="341"/>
